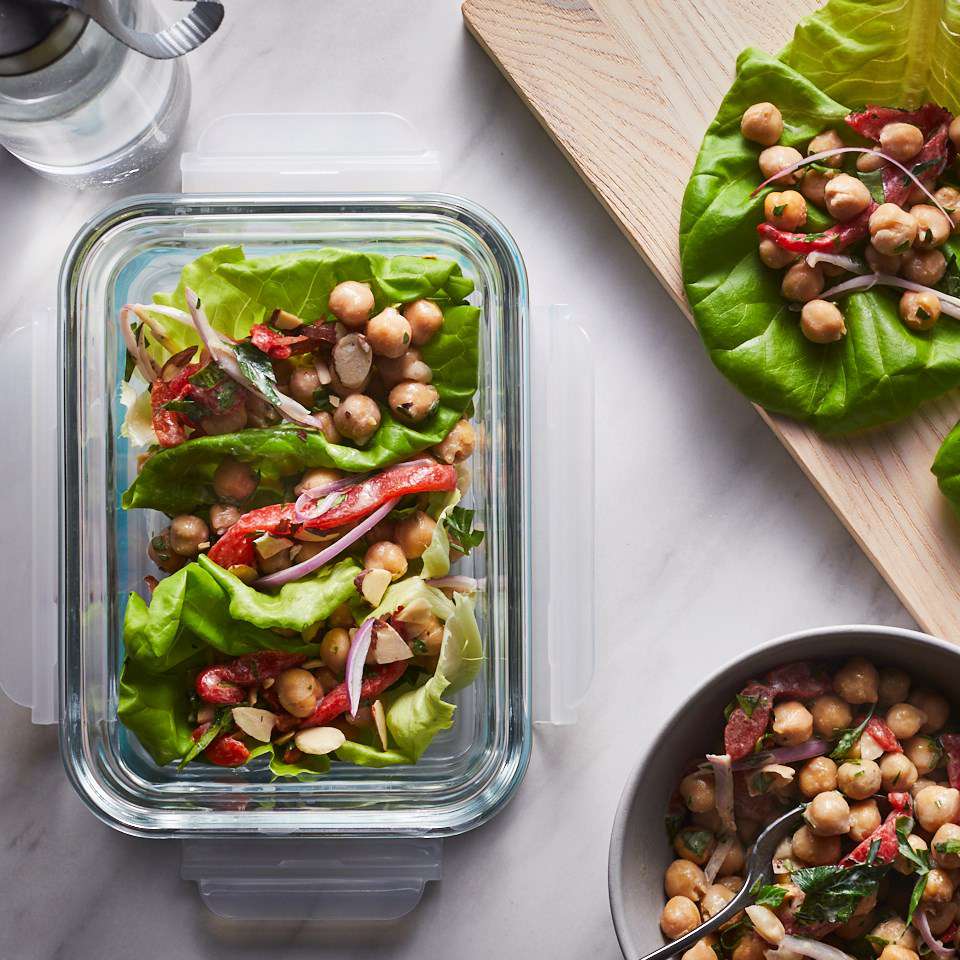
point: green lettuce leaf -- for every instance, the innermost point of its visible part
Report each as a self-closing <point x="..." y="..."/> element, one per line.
<point x="154" y="708"/>
<point x="419" y="715"/>
<point x="461" y="654"/>
<point x="881" y="370"/>
<point x="180" y="479"/>
<point x="364" y="756"/>
<point x="403" y="592"/>
<point x="306" y="768"/>
<point x="946" y="468"/>
<point x="297" y="605"/>
<point x="436" y="558"/>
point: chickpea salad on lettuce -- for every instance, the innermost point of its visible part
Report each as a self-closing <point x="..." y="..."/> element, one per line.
<point x="817" y="235"/>
<point x="873" y="870"/>
<point x="306" y="425"/>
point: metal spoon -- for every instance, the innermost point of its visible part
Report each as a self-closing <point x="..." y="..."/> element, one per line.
<point x="759" y="867"/>
<point x="179" y="38"/>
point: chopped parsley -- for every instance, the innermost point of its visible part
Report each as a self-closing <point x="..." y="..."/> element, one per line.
<point x="778" y="209"/>
<point x="950" y="848"/>
<point x="696" y="841"/>
<point x="768" y="895"/>
<point x="832" y="893"/>
<point x="922" y="314"/>
<point x="920" y="860"/>
<point x="902" y="247"/>
<point x="461" y="531"/>
<point x="849" y="737"/>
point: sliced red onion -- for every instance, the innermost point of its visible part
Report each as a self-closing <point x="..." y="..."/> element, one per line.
<point x="156" y="331"/>
<point x="356" y="657"/>
<point x="948" y="304"/>
<point x="300" y="570"/>
<point x="145" y="353"/>
<point x="315" y="493"/>
<point x="463" y="584"/>
<point x="126" y="329"/>
<point x="717" y="857"/>
<point x="850" y="264"/>
<point x="812" y="948"/>
<point x="306" y="508"/>
<point x="723" y="788"/>
<point x="824" y="154"/>
<point x="922" y="923"/>
<point x="802" y="751"/>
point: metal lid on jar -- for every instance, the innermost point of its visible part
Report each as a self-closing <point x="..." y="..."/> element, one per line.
<point x="34" y="33"/>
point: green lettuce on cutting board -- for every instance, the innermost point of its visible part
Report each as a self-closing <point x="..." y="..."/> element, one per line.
<point x="850" y="53"/>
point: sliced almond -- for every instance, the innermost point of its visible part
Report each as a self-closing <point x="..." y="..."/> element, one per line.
<point x="323" y="373"/>
<point x="389" y="645"/>
<point x="352" y="358"/>
<point x="283" y="320"/>
<point x="374" y="585"/>
<point x="267" y="546"/>
<point x="380" y="721"/>
<point x="269" y="682"/>
<point x="311" y="664"/>
<point x="243" y="572"/>
<point x="319" y="740"/>
<point x="415" y="617"/>
<point x="254" y="722"/>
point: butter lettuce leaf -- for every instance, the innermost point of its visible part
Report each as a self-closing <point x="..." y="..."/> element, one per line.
<point x="365" y="756"/>
<point x="880" y="371"/>
<point x="154" y="708"/>
<point x="436" y="558"/>
<point x="417" y="716"/>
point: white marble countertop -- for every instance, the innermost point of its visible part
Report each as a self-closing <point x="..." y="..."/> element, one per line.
<point x="709" y="539"/>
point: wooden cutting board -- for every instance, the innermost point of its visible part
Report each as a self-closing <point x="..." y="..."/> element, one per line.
<point x="626" y="88"/>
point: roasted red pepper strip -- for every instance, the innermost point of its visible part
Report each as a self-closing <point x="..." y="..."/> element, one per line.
<point x="224" y="683"/>
<point x="276" y="345"/>
<point x="926" y="166"/>
<point x="882" y="735"/>
<point x="742" y="732"/>
<point x="168" y="425"/>
<point x="337" y="701"/>
<point x="886" y="833"/>
<point x="797" y="680"/>
<point x="832" y="240"/>
<point x="421" y="476"/>
<point x="951" y="746"/>
<point x="870" y="121"/>
<point x="225" y="750"/>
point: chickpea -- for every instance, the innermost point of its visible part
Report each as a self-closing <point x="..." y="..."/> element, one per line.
<point x="222" y="517"/>
<point x="919" y="311"/>
<point x="954" y="132"/>
<point x="894" y="686"/>
<point x="882" y="262"/>
<point x="298" y="691"/>
<point x="163" y="555"/>
<point x="946" y="837"/>
<point x="717" y="896"/>
<point x="859" y="779"/>
<point x="307" y="550"/>
<point x="828" y="814"/>
<point x="774" y="159"/>
<point x="773" y="256"/>
<point x="815" y="850"/>
<point x="351" y="303"/>
<point x="857" y="681"/>
<point x="429" y="641"/>
<point x="259" y="412"/>
<point x="858" y="924"/>
<point x="389" y="333"/>
<point x="750" y="947"/>
<point x="868" y="162"/>
<point x="864" y="819"/>
<point x="802" y="283"/>
<point x="893" y="952"/>
<point x="830" y="714"/>
<point x="792" y="723"/>
<point x="341" y="617"/>
<point x="762" y="123"/>
<point x="327" y="427"/>
<point x="822" y="321"/>
<point x="828" y="140"/>
<point x="939" y="889"/>
<point x="685" y="879"/>
<point x="921" y="784"/>
<point x="897" y="772"/>
<point x="187" y="533"/>
<point x="316" y="478"/>
<point x="679" y="916"/>
<point x="813" y="185"/>
<point x="949" y="199"/>
<point x="901" y="140"/>
<point x="901" y="864"/>
<point x="786" y="211"/>
<point x="935" y="706"/>
<point x="234" y="481"/>
<point x="935" y="806"/>
<point x="408" y="367"/>
<point x="933" y="228"/>
<point x="701" y="950"/>
<point x="892" y="931"/>
<point x="694" y="844"/>
<point x="892" y="229"/>
<point x="846" y="197"/>
<point x="230" y="421"/>
<point x="940" y="916"/>
<point x="818" y="775"/>
<point x="924" y="266"/>
<point x="274" y="564"/>
<point x="413" y="402"/>
<point x="414" y="533"/>
<point x="334" y="649"/>
<point x="357" y="417"/>
<point x="385" y="555"/>
<point x="458" y="444"/>
<point x="425" y="319"/>
<point x="905" y="720"/>
<point x="304" y="383"/>
<point x="733" y="883"/>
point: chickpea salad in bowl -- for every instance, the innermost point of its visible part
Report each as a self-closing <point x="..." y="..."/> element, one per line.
<point x="873" y="870"/>
<point x="306" y="418"/>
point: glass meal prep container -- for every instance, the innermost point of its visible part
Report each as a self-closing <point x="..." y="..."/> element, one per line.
<point x="532" y="489"/>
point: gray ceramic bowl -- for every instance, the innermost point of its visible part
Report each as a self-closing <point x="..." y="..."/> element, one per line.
<point x="639" y="852"/>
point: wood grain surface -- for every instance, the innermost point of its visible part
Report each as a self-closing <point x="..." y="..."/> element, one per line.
<point x="626" y="88"/>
